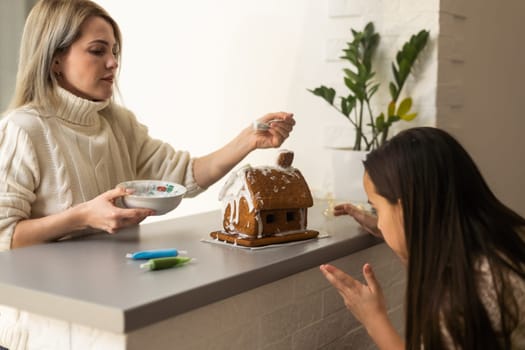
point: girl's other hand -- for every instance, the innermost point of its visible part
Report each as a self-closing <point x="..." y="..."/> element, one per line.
<point x="364" y="218"/>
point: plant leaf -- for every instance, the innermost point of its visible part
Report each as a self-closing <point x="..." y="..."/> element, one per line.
<point x="356" y="87"/>
<point x="404" y="70"/>
<point x="369" y="28"/>
<point x="395" y="73"/>
<point x="347" y="105"/>
<point x="393" y="91"/>
<point x="380" y="123"/>
<point x="372" y="90"/>
<point x="409" y="117"/>
<point x="404" y="107"/>
<point x="391" y="108"/>
<point x="344" y="108"/>
<point x="350" y="74"/>
<point x="350" y="84"/>
<point x="327" y="93"/>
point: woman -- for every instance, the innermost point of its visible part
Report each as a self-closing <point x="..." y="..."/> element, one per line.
<point x="65" y="144"/>
<point x="464" y="250"/>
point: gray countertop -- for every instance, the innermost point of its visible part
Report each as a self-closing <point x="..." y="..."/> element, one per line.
<point x="89" y="281"/>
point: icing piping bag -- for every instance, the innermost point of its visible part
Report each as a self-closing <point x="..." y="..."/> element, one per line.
<point x="165" y="263"/>
<point x="154" y="253"/>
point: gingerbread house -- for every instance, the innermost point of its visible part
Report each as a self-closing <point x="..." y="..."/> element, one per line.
<point x="265" y="205"/>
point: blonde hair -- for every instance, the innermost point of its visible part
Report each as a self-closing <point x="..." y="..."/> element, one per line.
<point x="50" y="29"/>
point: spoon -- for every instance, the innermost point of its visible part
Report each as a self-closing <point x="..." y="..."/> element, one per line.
<point x="260" y="126"/>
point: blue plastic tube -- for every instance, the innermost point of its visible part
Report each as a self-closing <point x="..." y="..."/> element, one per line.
<point x="154" y="253"/>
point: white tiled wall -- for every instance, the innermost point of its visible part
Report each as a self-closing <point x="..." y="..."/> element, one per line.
<point x="298" y="312"/>
<point x="451" y="93"/>
<point x="396" y="21"/>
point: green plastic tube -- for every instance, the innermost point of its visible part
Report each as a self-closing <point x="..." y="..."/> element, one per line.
<point x="165" y="263"/>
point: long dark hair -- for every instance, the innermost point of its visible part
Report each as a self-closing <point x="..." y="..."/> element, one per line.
<point x="452" y="222"/>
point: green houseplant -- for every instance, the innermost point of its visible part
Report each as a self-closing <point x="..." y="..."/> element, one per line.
<point x="359" y="80"/>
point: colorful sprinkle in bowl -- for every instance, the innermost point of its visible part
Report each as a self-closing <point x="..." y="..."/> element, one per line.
<point x="161" y="196"/>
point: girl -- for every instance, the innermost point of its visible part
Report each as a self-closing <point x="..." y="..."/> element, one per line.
<point x="464" y="250"/>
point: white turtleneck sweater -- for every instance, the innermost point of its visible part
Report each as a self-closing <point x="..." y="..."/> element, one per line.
<point x="50" y="163"/>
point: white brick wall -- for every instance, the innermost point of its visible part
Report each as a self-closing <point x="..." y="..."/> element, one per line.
<point x="298" y="312"/>
<point x="395" y="21"/>
<point x="451" y="94"/>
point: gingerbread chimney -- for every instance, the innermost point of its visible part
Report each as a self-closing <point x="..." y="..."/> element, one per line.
<point x="285" y="158"/>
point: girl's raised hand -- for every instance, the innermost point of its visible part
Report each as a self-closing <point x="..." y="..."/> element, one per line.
<point x="365" y="301"/>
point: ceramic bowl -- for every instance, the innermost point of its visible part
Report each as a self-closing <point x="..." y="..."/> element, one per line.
<point x="161" y="196"/>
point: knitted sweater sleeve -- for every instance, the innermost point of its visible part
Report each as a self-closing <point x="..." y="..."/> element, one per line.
<point x="19" y="177"/>
<point x="155" y="159"/>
